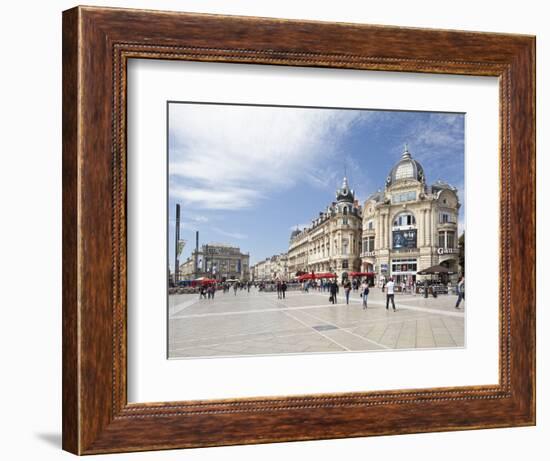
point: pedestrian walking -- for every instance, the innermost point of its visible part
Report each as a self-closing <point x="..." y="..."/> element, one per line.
<point x="460" y="288"/>
<point x="390" y="287"/>
<point x="283" y="289"/>
<point x="279" y="295"/>
<point x="235" y="287"/>
<point x="365" y="294"/>
<point x="347" y="290"/>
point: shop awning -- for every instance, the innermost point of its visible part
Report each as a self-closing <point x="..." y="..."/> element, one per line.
<point x="437" y="269"/>
<point x="324" y="275"/>
<point x="205" y="280"/>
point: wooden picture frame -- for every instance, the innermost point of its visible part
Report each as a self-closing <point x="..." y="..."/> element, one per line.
<point x="97" y="43"/>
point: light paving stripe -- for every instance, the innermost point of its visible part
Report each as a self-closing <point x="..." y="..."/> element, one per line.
<point x="185" y="305"/>
<point x="399" y="305"/>
<point x="347" y="331"/>
<point x="318" y="332"/>
<point x="318" y="306"/>
<point x="184" y="348"/>
<point x="253" y="311"/>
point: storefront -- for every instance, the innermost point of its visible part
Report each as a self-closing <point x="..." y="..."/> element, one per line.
<point x="403" y="270"/>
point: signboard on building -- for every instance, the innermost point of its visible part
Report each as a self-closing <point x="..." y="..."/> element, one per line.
<point x="384" y="268"/>
<point x="447" y="251"/>
<point x="404" y="239"/>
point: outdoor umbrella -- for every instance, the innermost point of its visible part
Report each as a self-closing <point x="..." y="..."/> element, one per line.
<point x="205" y="280"/>
<point x="437" y="269"/>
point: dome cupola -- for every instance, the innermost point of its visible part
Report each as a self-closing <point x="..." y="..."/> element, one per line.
<point x="345" y="194"/>
<point x="406" y="169"/>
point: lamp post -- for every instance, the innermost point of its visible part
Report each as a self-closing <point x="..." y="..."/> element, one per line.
<point x="176" y="249"/>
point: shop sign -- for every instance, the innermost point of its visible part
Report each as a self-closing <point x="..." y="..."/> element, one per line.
<point x="447" y="251"/>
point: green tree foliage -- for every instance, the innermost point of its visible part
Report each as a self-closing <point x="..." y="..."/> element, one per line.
<point x="461" y="251"/>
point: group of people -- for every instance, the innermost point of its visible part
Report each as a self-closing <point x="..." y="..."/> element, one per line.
<point x="281" y="289"/>
<point x="209" y="291"/>
<point x="348" y="287"/>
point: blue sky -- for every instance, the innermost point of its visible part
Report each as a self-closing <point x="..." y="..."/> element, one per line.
<point x="248" y="175"/>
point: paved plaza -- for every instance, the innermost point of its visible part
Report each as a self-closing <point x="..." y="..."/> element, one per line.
<point x="260" y="324"/>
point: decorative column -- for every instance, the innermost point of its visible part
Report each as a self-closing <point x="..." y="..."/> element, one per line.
<point x="431" y="237"/>
<point x="388" y="231"/>
<point x="381" y="239"/>
<point x="377" y="245"/>
<point x="424" y="224"/>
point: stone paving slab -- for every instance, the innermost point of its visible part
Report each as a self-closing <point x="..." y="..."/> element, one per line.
<point x="261" y="324"/>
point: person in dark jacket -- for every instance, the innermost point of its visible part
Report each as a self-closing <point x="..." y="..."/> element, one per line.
<point x="333" y="292"/>
<point x="347" y="290"/>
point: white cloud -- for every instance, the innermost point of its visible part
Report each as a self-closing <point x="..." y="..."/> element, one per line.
<point x="229" y="157"/>
<point x="222" y="197"/>
<point x="234" y="235"/>
<point x="437" y="134"/>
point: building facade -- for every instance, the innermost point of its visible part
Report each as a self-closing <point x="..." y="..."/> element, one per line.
<point x="272" y="268"/>
<point x="218" y="261"/>
<point x="332" y="243"/>
<point x="410" y="225"/>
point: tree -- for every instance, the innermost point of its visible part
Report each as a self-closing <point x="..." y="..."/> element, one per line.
<point x="461" y="252"/>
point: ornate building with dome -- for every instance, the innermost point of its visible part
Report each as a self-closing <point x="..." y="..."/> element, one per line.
<point x="410" y="225"/>
<point x="332" y="243"/>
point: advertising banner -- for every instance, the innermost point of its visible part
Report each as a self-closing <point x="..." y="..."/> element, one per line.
<point x="404" y="239"/>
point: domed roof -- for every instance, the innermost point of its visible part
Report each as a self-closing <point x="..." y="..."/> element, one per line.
<point x="295" y="233"/>
<point x="406" y="169"/>
<point x="345" y="194"/>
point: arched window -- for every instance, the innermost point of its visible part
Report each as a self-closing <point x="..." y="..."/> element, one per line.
<point x="404" y="219"/>
<point x="345" y="210"/>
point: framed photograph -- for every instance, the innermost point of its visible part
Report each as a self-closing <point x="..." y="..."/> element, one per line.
<point x="270" y="226"/>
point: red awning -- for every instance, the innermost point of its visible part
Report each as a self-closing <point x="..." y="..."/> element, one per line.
<point x="205" y="281"/>
<point x="325" y="275"/>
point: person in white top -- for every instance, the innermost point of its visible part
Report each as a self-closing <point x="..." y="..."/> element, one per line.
<point x="390" y="292"/>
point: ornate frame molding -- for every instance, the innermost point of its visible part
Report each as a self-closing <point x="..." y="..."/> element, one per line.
<point x="97" y="44"/>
